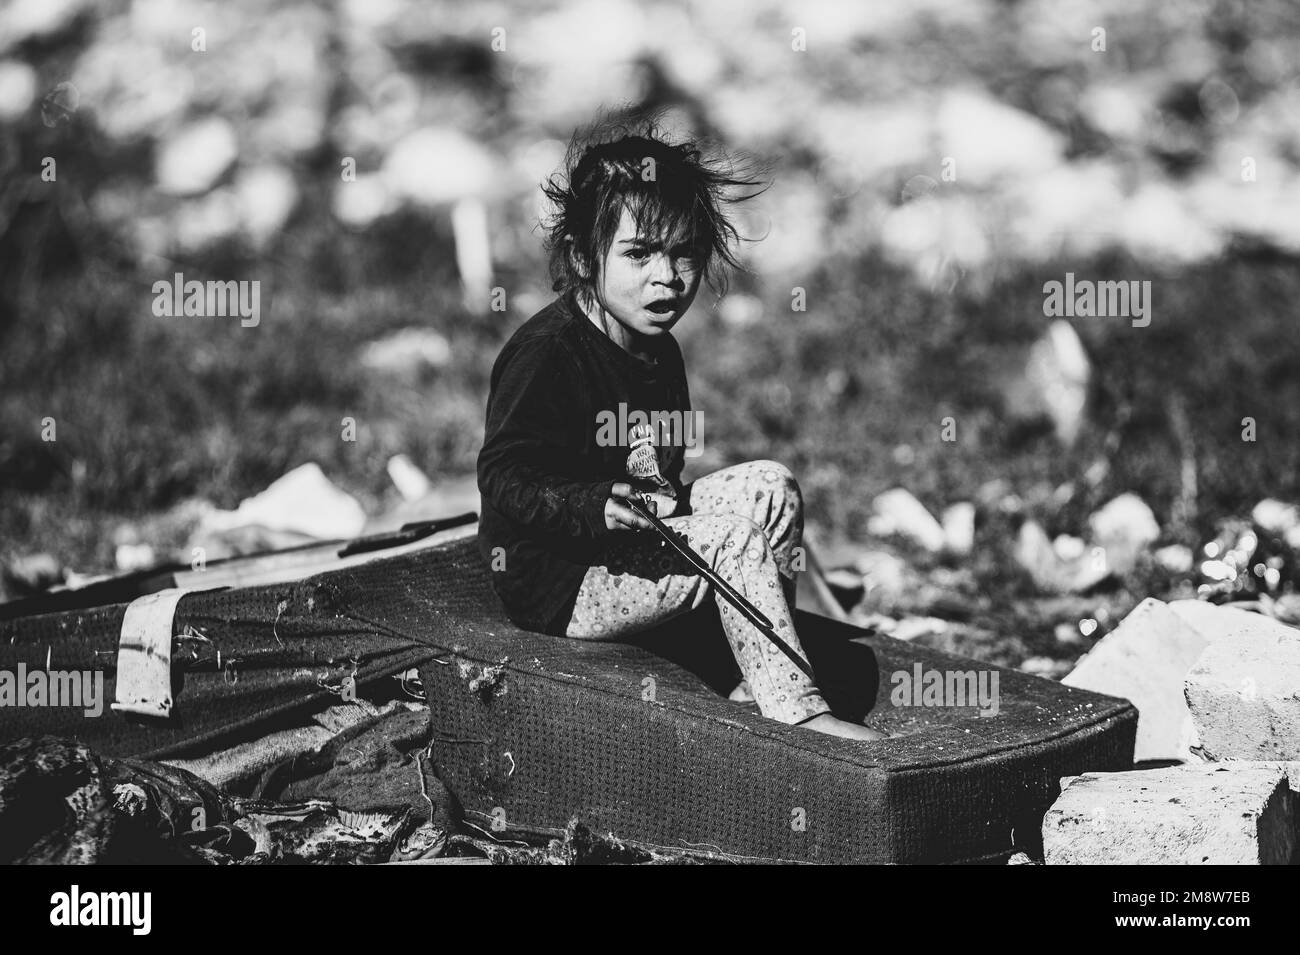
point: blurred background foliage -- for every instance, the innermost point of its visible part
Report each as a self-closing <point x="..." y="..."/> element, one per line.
<point x="924" y="292"/>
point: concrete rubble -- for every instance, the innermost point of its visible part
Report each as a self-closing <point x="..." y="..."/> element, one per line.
<point x="1244" y="692"/>
<point x="1144" y="660"/>
<point x="1216" y="690"/>
<point x="1216" y="814"/>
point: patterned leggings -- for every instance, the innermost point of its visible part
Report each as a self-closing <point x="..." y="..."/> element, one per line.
<point x="746" y="521"/>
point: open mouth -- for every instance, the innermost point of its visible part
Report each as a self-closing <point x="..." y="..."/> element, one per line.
<point x="662" y="307"/>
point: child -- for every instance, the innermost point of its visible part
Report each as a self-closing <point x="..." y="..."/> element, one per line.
<point x="638" y="223"/>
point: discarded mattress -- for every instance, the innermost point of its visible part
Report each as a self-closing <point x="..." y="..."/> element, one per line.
<point x="531" y="732"/>
<point x="251" y="649"/>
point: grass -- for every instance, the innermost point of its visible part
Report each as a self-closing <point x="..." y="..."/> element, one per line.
<point x="152" y="411"/>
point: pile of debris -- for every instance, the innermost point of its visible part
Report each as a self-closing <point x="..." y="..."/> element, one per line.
<point x="351" y="786"/>
<point x="987" y="580"/>
<point x="1219" y="724"/>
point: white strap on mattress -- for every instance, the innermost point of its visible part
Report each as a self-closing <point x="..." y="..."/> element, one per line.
<point x="144" y="654"/>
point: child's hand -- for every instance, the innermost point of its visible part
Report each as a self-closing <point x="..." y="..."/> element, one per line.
<point x="619" y="516"/>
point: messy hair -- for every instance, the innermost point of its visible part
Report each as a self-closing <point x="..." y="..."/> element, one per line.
<point x="672" y="191"/>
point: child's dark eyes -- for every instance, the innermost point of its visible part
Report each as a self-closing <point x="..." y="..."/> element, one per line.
<point x="681" y="253"/>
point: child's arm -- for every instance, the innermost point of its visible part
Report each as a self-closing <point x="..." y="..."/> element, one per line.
<point x="534" y="440"/>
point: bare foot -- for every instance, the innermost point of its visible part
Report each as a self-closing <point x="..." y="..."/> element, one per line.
<point x="833" y="726"/>
<point x="742" y="693"/>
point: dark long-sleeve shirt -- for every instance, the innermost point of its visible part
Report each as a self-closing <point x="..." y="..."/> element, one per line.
<point x="560" y="389"/>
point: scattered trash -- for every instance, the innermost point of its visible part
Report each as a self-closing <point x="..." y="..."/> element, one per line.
<point x="898" y="513"/>
<point x="25" y="576"/>
<point x="407" y="353"/>
<point x="1065" y="565"/>
<point x="1046" y="667"/>
<point x="410" y="481"/>
<point x="1279" y="519"/>
<point x="488" y="681"/>
<point x="302" y="502"/>
<point x="910" y="628"/>
<point x="959" y="528"/>
<point x="130" y="557"/>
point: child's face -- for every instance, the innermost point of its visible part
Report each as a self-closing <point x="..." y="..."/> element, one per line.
<point x="645" y="286"/>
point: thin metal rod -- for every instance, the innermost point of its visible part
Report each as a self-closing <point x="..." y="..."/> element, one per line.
<point x="729" y="593"/>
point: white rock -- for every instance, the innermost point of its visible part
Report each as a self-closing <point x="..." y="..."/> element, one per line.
<point x="1274" y="516"/>
<point x="1211" y="621"/>
<point x="129" y="557"/>
<point x="34" y="572"/>
<point x="1120" y="111"/>
<point x="1053" y="382"/>
<point x="410" y="481"/>
<point x="897" y="513"/>
<point x="1040" y="556"/>
<point x="361" y="201"/>
<point x="407" y="352"/>
<point x="1244" y="691"/>
<point x="1176" y="558"/>
<point x="1292" y="770"/>
<point x="1125" y="527"/>
<point x="304" y="501"/>
<point x="959" y="528"/>
<point x="1145" y="660"/>
<point x="17" y="89"/>
<point x="1212" y="814"/>
<point x="267" y="195"/>
<point x="1070" y="633"/>
<point x="1125" y="517"/>
<point x="1069" y="547"/>
<point x="1035" y="554"/>
<point x="191" y="160"/>
<point x="473" y="237"/>
<point x="1280" y="519"/>
<point x="21" y="20"/>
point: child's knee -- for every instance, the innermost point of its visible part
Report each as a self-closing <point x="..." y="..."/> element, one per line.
<point x="747" y="540"/>
<point x="725" y="534"/>
<point x="779" y="483"/>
